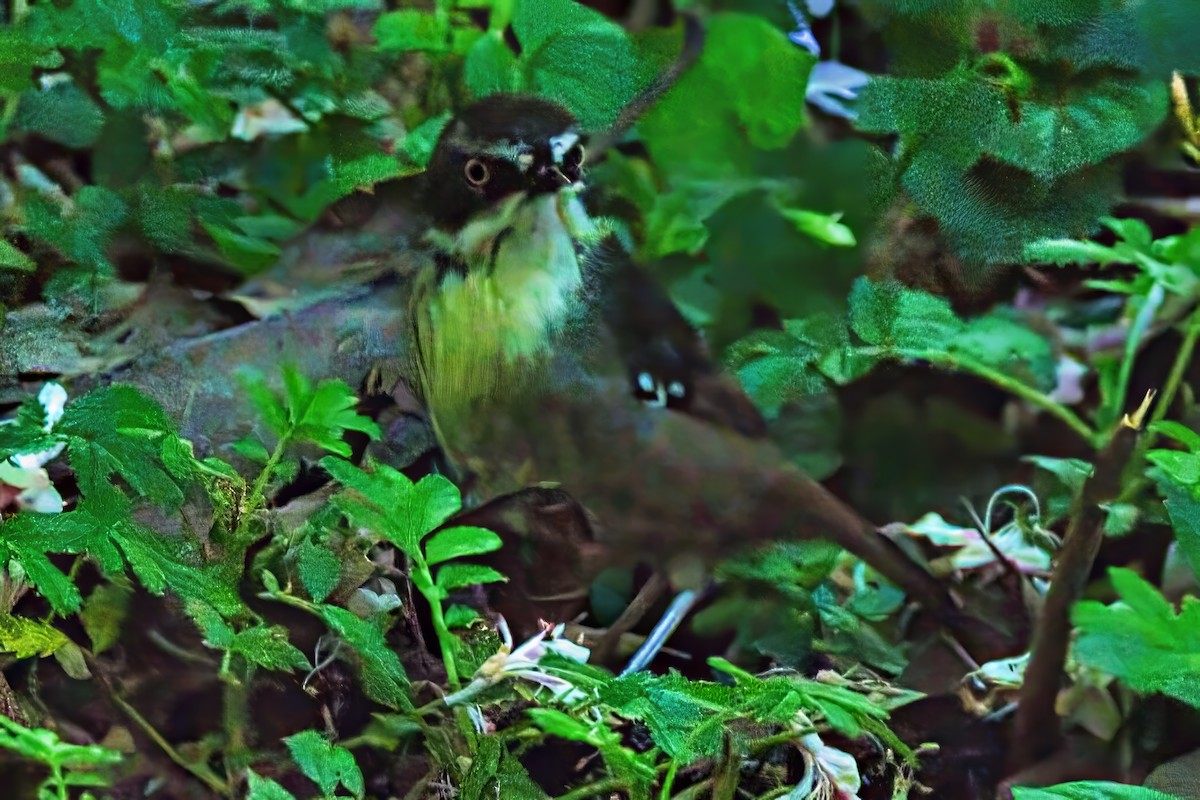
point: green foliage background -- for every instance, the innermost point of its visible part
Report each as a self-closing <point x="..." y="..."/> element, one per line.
<point x="195" y="144"/>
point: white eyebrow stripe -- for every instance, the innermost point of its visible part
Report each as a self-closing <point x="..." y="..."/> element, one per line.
<point x="560" y="144"/>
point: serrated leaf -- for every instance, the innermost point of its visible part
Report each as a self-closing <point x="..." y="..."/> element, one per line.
<point x="62" y="113"/>
<point x="1069" y="128"/>
<point x="24" y="637"/>
<point x="1183" y="509"/>
<point x="1141" y="640"/>
<point x="325" y="763"/>
<point x="320" y="570"/>
<point x="324" y="416"/>
<point x="268" y="647"/>
<point x="392" y="506"/>
<point x="383" y="677"/>
<point x="265" y="788"/>
<point x="117" y="430"/>
<point x="460" y="541"/>
<point x="269" y="408"/>
<point x="157" y="562"/>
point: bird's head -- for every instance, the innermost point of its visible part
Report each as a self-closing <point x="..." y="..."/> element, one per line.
<point x="496" y="154"/>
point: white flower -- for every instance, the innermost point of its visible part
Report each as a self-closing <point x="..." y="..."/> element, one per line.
<point x="974" y="551"/>
<point x="26" y="471"/>
<point x="266" y="118"/>
<point x="829" y="773"/>
<point x="524" y="662"/>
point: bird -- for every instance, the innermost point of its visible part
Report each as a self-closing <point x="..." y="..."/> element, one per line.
<point x="548" y="357"/>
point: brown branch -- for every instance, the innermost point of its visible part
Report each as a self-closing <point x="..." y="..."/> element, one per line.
<point x="1037" y="732"/>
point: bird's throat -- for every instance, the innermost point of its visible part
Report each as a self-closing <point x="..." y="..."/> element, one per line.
<point x="490" y="329"/>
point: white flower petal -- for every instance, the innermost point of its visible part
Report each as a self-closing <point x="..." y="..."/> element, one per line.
<point x="45" y="500"/>
<point x="53" y="398"/>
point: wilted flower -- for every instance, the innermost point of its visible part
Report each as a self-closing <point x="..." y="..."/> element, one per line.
<point x="974" y="551"/>
<point x="829" y="773"/>
<point x="524" y="662"/>
<point x="26" y="471"/>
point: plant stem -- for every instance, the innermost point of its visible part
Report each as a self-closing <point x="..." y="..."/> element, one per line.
<point x="1175" y="378"/>
<point x="256" y="499"/>
<point x="423" y="580"/>
<point x="1013" y="386"/>
<point x="1183" y="358"/>
<point x="200" y="771"/>
<point x="592" y="790"/>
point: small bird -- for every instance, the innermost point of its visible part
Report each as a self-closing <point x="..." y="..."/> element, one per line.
<point x="547" y="357"/>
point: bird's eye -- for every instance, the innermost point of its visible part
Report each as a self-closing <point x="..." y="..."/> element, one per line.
<point x="574" y="156"/>
<point x="477" y="172"/>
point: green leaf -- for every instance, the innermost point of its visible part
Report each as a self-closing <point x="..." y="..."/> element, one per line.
<point x="895" y="317"/>
<point x="491" y="66"/>
<point x="409" y="29"/>
<point x="82" y="229"/>
<point x="1061" y="252"/>
<point x="1059" y="131"/>
<point x="460" y="541"/>
<point x="564" y="726"/>
<point x="320" y="570"/>
<point x="1183" y="509"/>
<point x="1090" y="790"/>
<point x="104" y="613"/>
<point x="117" y="430"/>
<point x="268" y="405"/>
<point x="1179" y="432"/>
<point x="1141" y="640"/>
<point x="459" y="616"/>
<point x="12" y="258"/>
<point x="325" y="763"/>
<point x="24" y="637"/>
<point x="62" y="113"/>
<point x="250" y="255"/>
<point x="327" y="413"/>
<point x="265" y="788"/>
<point x="389" y="504"/>
<point x="826" y="228"/>
<point x="157" y="562"/>
<point x="1073" y="472"/>
<point x="268" y="647"/>
<point x="44" y="746"/>
<point x="460" y="576"/>
<point x="383" y="677"/>
<point x="1182" y="468"/>
<point x="721" y="109"/>
<point x="915" y="325"/>
<point x="576" y="56"/>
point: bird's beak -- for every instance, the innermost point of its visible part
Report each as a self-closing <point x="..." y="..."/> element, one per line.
<point x="550" y="178"/>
